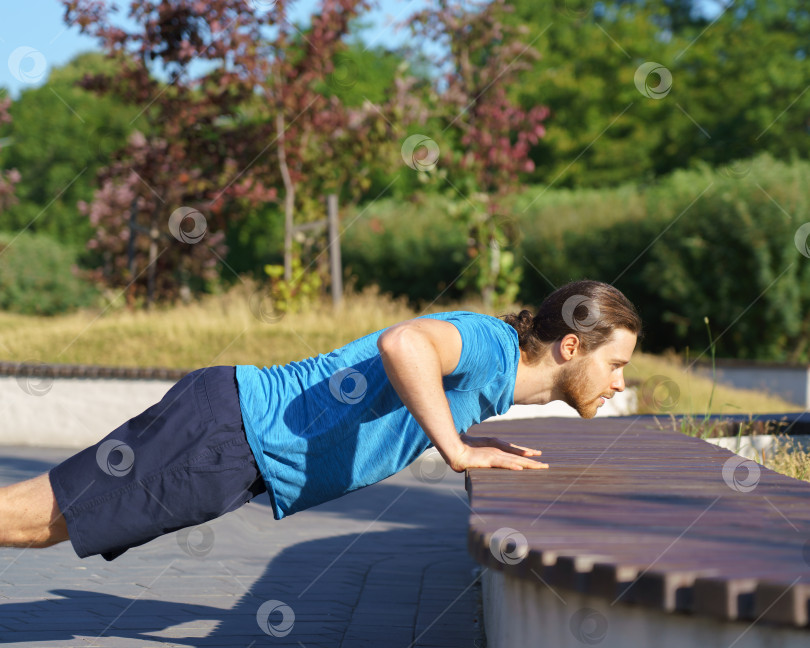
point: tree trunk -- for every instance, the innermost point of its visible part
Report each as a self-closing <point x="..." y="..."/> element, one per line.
<point x="494" y="271"/>
<point x="289" y="197"/>
<point x="154" y="234"/>
<point x="133" y="213"/>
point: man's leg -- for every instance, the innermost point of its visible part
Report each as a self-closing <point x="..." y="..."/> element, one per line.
<point x="30" y="516"/>
<point x="182" y="462"/>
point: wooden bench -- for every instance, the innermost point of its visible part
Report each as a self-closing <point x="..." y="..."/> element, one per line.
<point x="642" y="528"/>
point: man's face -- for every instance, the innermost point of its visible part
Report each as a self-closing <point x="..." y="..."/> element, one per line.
<point x="588" y="378"/>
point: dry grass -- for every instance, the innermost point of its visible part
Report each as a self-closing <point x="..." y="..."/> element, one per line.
<point x="668" y="386"/>
<point x="789" y="458"/>
<point x="682" y="391"/>
<point x="216" y="330"/>
<point x="223" y="329"/>
<point x="229" y="329"/>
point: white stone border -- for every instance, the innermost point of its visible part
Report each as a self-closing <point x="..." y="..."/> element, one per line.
<point x="752" y="447"/>
<point x="70" y="412"/>
<point x="77" y="412"/>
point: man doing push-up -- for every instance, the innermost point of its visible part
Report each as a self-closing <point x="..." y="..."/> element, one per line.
<point x="313" y="430"/>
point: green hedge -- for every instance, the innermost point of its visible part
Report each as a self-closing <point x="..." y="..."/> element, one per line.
<point x="410" y="249"/>
<point x="38" y="276"/>
<point x="707" y="243"/>
<point x="715" y="243"/>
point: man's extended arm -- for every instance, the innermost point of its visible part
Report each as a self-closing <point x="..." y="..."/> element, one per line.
<point x="416" y="354"/>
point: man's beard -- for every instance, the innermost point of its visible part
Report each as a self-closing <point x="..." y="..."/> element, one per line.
<point x="575" y="385"/>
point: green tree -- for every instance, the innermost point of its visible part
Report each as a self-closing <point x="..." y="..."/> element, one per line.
<point x="363" y="73"/>
<point x="734" y="84"/>
<point x="601" y="130"/>
<point x="60" y="136"/>
<point x="38" y="276"/>
<point x="745" y="84"/>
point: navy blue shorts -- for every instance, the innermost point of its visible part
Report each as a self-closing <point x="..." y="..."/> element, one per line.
<point x="180" y="463"/>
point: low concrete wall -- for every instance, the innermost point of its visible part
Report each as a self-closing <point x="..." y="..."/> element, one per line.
<point x="70" y="412"/>
<point x="77" y="412"/>
<point x="790" y="382"/>
<point x="520" y="613"/>
<point x="752" y="447"/>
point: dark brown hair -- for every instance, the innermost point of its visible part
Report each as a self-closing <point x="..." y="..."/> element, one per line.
<point x="591" y="310"/>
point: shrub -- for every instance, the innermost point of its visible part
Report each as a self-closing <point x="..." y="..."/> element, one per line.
<point x="700" y="243"/>
<point x="38" y="276"/>
<point x="411" y="249"/>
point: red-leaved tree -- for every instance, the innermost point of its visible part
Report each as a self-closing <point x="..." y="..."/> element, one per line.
<point x="491" y="135"/>
<point x="11" y="177"/>
<point x="321" y="145"/>
<point x="162" y="207"/>
<point x="260" y="122"/>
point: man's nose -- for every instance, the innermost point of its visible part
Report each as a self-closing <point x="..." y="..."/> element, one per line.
<point x="618" y="383"/>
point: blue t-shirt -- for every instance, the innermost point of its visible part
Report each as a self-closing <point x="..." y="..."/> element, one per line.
<point x="325" y="426"/>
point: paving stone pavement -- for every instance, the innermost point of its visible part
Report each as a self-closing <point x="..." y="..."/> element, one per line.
<point x="386" y="566"/>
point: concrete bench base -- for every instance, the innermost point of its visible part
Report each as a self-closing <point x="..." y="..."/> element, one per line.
<point x="519" y="613"/>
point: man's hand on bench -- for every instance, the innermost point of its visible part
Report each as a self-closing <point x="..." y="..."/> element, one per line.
<point x="489" y="452"/>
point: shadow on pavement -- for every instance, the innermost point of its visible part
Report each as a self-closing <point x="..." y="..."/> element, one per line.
<point x="14" y="469"/>
<point x="407" y="586"/>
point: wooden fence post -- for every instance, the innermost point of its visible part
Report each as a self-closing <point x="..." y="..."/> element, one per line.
<point x="335" y="265"/>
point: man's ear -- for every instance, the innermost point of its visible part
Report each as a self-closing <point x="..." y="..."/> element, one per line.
<point x="569" y="346"/>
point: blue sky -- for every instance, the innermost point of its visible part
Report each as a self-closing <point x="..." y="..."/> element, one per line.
<point x="34" y="37"/>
